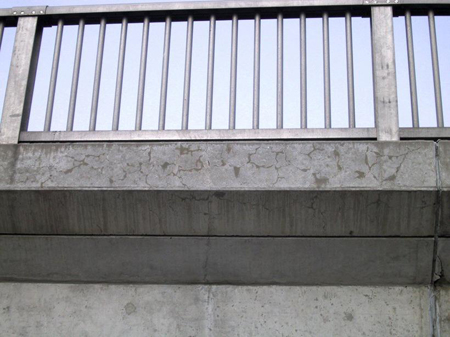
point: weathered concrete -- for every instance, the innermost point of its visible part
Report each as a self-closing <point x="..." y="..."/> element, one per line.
<point x="164" y="310"/>
<point x="220" y="166"/>
<point x="216" y="260"/>
<point x="244" y="189"/>
<point x="443" y="255"/>
<point x="444" y="165"/>
<point x="443" y="305"/>
<point x="229" y="213"/>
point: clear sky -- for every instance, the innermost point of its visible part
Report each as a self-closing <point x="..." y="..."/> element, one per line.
<point x="362" y="58"/>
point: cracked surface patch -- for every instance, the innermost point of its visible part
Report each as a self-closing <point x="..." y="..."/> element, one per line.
<point x="213" y="166"/>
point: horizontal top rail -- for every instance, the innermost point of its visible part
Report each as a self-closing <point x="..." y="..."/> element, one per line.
<point x="203" y="5"/>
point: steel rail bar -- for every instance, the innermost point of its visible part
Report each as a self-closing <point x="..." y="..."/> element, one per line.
<point x="142" y="74"/>
<point x="187" y="72"/>
<point x="233" y="72"/>
<point x="165" y="75"/>
<point x="412" y="69"/>
<point x="435" y="63"/>
<point x="2" y="29"/>
<point x="98" y="74"/>
<point x="220" y="5"/>
<point x="54" y="75"/>
<point x="256" y="71"/>
<point x="279" y="71"/>
<point x="119" y="78"/>
<point x="210" y="75"/>
<point x="303" y="73"/>
<point x="197" y="135"/>
<point x="350" y="73"/>
<point x="326" y="69"/>
<point x="75" y="76"/>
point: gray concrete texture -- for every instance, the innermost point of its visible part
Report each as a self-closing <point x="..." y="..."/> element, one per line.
<point x="243" y="189"/>
<point x="444" y="165"/>
<point x="443" y="260"/>
<point x="217" y="260"/>
<point x="224" y="213"/>
<point x="170" y="310"/>
<point x="220" y="166"/>
<point x="443" y="310"/>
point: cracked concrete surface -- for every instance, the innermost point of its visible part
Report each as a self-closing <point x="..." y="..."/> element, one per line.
<point x="216" y="166"/>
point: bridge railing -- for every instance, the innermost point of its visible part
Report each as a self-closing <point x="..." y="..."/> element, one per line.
<point x="31" y="21"/>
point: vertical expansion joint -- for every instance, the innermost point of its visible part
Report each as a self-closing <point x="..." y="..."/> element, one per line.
<point x="436" y="76"/>
<point x="412" y="69"/>
<point x="119" y="79"/>
<point x="256" y="71"/>
<point x="210" y="76"/>
<point x="280" y="71"/>
<point x="142" y="74"/>
<point x="98" y="74"/>
<point x="165" y="74"/>
<point x="233" y="72"/>
<point x="303" y="74"/>
<point x="75" y="76"/>
<point x="54" y="75"/>
<point x="187" y="72"/>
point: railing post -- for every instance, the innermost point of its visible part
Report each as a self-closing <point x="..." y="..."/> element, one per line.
<point x="21" y="78"/>
<point x="384" y="75"/>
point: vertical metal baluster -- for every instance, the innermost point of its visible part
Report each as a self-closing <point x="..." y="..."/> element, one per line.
<point x="2" y="28"/>
<point x="54" y="75"/>
<point x="75" y="76"/>
<point x="350" y="76"/>
<point x="119" y="79"/>
<point x="256" y="71"/>
<point x="280" y="71"/>
<point x="165" y="75"/>
<point x="98" y="74"/>
<point x="412" y="70"/>
<point x="187" y="73"/>
<point x="436" y="77"/>
<point x="326" y="70"/>
<point x="303" y="106"/>
<point x="142" y="73"/>
<point x="233" y="75"/>
<point x="210" y="83"/>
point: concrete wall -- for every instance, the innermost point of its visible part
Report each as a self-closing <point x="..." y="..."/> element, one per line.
<point x="353" y="213"/>
<point x="169" y="310"/>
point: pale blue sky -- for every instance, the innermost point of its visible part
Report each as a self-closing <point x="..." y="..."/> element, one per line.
<point x="363" y="73"/>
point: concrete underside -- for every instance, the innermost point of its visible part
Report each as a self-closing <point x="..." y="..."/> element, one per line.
<point x="274" y="212"/>
<point x="210" y="310"/>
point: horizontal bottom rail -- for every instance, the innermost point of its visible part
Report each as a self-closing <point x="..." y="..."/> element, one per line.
<point x="222" y="135"/>
<point x="425" y="133"/>
<point x="170" y="135"/>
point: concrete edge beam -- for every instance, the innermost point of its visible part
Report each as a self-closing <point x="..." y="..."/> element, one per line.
<point x="213" y="260"/>
<point x="220" y="213"/>
<point x="257" y="165"/>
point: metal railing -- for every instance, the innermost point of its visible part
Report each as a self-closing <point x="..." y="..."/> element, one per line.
<point x="30" y="22"/>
